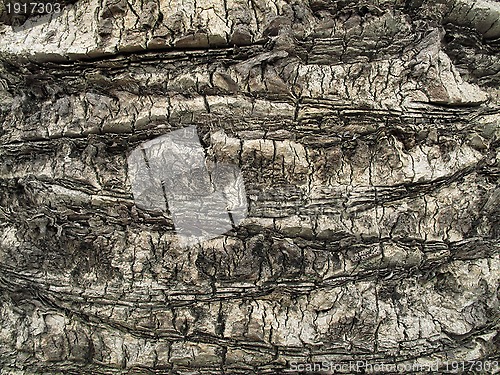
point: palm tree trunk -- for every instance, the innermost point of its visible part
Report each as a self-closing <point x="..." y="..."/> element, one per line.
<point x="367" y="138"/>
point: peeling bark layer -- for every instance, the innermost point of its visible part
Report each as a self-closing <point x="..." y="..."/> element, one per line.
<point x="367" y="135"/>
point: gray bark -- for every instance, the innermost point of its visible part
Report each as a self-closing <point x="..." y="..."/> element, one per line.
<point x="367" y="135"/>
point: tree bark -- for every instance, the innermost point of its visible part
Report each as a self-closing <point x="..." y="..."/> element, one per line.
<point x="367" y="135"/>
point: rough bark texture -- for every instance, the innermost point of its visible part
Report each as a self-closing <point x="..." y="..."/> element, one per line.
<point x="367" y="134"/>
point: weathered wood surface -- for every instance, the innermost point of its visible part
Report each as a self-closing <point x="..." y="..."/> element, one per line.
<point x="368" y="138"/>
